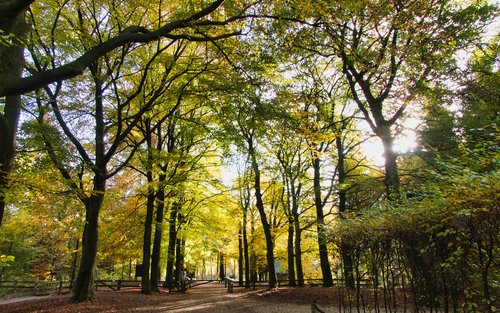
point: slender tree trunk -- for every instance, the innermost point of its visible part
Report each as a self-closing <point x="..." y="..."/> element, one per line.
<point x="290" y="253"/>
<point x="245" y="251"/>
<point x="320" y="223"/>
<point x="345" y="248"/>
<point x="74" y="263"/>
<point x="253" y="256"/>
<point x="298" y="252"/>
<point x="148" y="223"/>
<point x="240" y="257"/>
<point x="155" y="257"/>
<point x="263" y="218"/>
<point x="179" y="258"/>
<point x="169" y="279"/>
<point x="11" y="65"/>
<point x="298" y="233"/>
<point x="222" y="261"/>
<point x="146" y="248"/>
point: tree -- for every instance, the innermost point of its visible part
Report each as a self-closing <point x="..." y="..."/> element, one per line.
<point x="13" y="27"/>
<point x="388" y="50"/>
<point x="479" y="97"/>
<point x="293" y="170"/>
<point x="243" y="187"/>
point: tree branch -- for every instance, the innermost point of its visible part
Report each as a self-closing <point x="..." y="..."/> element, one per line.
<point x="132" y="34"/>
<point x="8" y="9"/>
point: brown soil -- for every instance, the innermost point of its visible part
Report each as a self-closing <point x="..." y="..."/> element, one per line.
<point x="204" y="298"/>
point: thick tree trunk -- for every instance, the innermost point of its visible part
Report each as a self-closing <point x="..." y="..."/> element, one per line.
<point x="320" y="224"/>
<point x="146" y="248"/>
<point x="263" y="218"/>
<point x="391" y="179"/>
<point x="11" y="66"/>
<point x="155" y="257"/>
<point x="82" y="289"/>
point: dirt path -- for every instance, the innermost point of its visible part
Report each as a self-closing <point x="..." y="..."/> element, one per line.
<point x="208" y="298"/>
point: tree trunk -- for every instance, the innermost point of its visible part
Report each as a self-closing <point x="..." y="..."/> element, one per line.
<point x="169" y="279"/>
<point x="298" y="252"/>
<point x="240" y="257"/>
<point x="290" y="253"/>
<point x="298" y="233"/>
<point x="391" y="179"/>
<point x="11" y="65"/>
<point x="253" y="255"/>
<point x="263" y="218"/>
<point x="320" y="223"/>
<point x="345" y="249"/>
<point x="245" y="251"/>
<point x="74" y="263"/>
<point x="179" y="259"/>
<point x="82" y="290"/>
<point x="155" y="257"/>
<point x="146" y="248"/>
<point x="222" y="267"/>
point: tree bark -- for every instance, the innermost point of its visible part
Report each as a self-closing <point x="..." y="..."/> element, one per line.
<point x="298" y="233"/>
<point x="245" y="251"/>
<point x="82" y="290"/>
<point x="263" y="218"/>
<point x="291" y="252"/>
<point x="222" y="266"/>
<point x="155" y="257"/>
<point x="320" y="224"/>
<point x="11" y="68"/>
<point x="146" y="248"/>
<point x="179" y="260"/>
<point x="74" y="263"/>
<point x="240" y="257"/>
<point x="391" y="179"/>
<point x="345" y="248"/>
<point x="298" y="250"/>
<point x="169" y="279"/>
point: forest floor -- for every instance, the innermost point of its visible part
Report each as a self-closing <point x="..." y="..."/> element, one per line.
<point x="204" y="298"/>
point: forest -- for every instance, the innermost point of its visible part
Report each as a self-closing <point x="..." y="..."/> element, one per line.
<point x="355" y="143"/>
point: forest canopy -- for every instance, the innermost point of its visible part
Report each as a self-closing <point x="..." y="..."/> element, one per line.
<point x="354" y="142"/>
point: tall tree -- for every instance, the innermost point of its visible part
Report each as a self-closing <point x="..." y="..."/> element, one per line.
<point x="243" y="186"/>
<point x="290" y="156"/>
<point x="13" y="29"/>
<point x="388" y="50"/>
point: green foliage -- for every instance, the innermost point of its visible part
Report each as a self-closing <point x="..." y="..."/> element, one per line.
<point x="6" y="260"/>
<point x="446" y="233"/>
